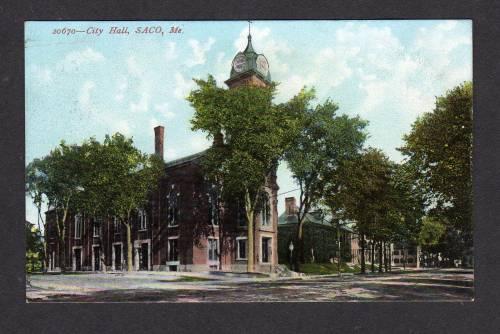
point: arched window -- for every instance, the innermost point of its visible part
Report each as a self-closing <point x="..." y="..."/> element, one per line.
<point x="173" y="208"/>
<point x="143" y="219"/>
<point x="265" y="212"/>
<point x="78" y="226"/>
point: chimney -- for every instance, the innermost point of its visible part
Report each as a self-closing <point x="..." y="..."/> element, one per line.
<point x="159" y="134"/>
<point x="290" y="206"/>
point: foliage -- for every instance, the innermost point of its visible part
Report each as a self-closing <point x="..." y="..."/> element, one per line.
<point x="324" y="139"/>
<point x="97" y="179"/>
<point x="34" y="248"/>
<point x="431" y="233"/>
<point x="438" y="151"/>
<point x="251" y="134"/>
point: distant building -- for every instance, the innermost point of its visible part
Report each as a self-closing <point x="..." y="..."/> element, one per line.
<point x="320" y="236"/>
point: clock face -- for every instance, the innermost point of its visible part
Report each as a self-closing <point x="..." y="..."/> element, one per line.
<point x="239" y="63"/>
<point x="262" y="65"/>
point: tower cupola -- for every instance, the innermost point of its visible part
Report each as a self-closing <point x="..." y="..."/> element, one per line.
<point x="249" y="67"/>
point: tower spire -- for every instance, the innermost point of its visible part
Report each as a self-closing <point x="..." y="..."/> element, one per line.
<point x="249" y="47"/>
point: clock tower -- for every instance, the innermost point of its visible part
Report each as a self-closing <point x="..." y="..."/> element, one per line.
<point x="249" y="68"/>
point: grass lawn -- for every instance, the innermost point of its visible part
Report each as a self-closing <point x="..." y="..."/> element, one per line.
<point x="326" y="268"/>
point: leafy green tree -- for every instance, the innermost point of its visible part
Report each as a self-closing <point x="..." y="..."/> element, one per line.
<point x="439" y="151"/>
<point x="432" y="232"/>
<point x="360" y="190"/>
<point x="57" y="178"/>
<point x="96" y="179"/>
<point x="325" y="138"/>
<point x="35" y="183"/>
<point x="34" y="248"/>
<point x="121" y="177"/>
<point x="251" y="134"/>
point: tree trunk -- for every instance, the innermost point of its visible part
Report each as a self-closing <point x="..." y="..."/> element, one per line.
<point x="44" y="239"/>
<point x="390" y="257"/>
<point x="380" y="264"/>
<point x="339" y="247"/>
<point x="386" y="266"/>
<point x="129" y="246"/>
<point x="372" y="253"/>
<point x="250" y="243"/>
<point x="404" y="258"/>
<point x="363" y="264"/>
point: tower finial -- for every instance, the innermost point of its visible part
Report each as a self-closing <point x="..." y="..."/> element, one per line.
<point x="249" y="34"/>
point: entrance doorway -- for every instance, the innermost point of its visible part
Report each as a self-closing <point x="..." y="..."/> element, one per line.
<point x="118" y="257"/>
<point x="143" y="257"/>
<point x="78" y="259"/>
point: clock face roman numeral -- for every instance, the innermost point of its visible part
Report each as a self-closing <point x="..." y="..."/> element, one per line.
<point x="262" y="65"/>
<point x="239" y="63"/>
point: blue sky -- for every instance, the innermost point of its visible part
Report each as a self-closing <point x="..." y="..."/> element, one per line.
<point x="388" y="72"/>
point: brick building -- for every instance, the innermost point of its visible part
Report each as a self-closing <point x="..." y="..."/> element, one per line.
<point x="184" y="227"/>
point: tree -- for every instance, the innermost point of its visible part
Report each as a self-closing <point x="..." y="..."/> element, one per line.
<point x="34" y="248"/>
<point x="439" y="150"/>
<point x="323" y="141"/>
<point x="95" y="179"/>
<point x="251" y="134"/>
<point x="126" y="177"/>
<point x="360" y="191"/>
<point x="35" y="183"/>
<point x="59" y="180"/>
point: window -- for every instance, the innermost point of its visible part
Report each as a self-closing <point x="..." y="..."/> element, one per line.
<point x="396" y="260"/>
<point x="265" y="212"/>
<point x="213" y="249"/>
<point x="213" y="212"/>
<point x="116" y="225"/>
<point x="241" y="251"/>
<point x="97" y="227"/>
<point x="396" y="252"/>
<point x="173" y="250"/>
<point x="266" y="250"/>
<point x="172" y="210"/>
<point x="78" y="226"/>
<point x="143" y="219"/>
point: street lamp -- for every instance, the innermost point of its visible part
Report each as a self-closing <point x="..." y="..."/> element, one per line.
<point x="290" y="247"/>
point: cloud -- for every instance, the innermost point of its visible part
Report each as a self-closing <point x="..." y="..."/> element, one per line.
<point x="170" y="51"/>
<point x="199" y="51"/>
<point x="163" y="108"/>
<point x="142" y="105"/>
<point x="41" y="75"/>
<point x="122" y="85"/>
<point x="200" y="142"/>
<point x="121" y="126"/>
<point x="171" y="154"/>
<point x="84" y="97"/>
<point x="182" y="86"/>
<point x="74" y="60"/>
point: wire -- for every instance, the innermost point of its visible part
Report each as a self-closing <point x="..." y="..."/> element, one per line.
<point x="289" y="191"/>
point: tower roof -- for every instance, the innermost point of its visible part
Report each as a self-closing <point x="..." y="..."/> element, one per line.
<point x="248" y="62"/>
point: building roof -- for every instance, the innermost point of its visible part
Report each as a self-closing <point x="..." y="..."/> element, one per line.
<point x="314" y="217"/>
<point x="186" y="159"/>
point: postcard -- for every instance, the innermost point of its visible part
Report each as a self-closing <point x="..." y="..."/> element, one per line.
<point x="249" y="161"/>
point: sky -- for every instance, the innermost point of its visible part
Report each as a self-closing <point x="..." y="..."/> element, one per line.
<point x="83" y="84"/>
